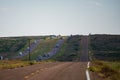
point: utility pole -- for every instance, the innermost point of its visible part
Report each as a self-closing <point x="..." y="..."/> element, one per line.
<point x="29" y="50"/>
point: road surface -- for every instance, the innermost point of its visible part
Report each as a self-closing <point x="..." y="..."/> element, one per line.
<point x="51" y="70"/>
<point x="84" y="51"/>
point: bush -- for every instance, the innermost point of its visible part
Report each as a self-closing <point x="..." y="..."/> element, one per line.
<point x="107" y="70"/>
<point x="31" y="63"/>
<point x="93" y="69"/>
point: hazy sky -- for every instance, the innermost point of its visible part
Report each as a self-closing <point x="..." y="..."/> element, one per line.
<point x="42" y="17"/>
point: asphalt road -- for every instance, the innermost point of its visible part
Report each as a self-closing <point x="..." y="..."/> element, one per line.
<point x="47" y="71"/>
<point x="53" y="70"/>
<point x="84" y="51"/>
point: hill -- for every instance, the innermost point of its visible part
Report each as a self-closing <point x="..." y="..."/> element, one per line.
<point x="70" y="50"/>
<point x="105" y="47"/>
<point x="11" y="46"/>
<point x="105" y="56"/>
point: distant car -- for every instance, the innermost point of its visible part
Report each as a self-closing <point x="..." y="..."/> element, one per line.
<point x="20" y="53"/>
<point x="1" y="57"/>
<point x="57" y="45"/>
<point x="45" y="55"/>
<point x="39" y="58"/>
<point x="28" y="48"/>
<point x="48" y="55"/>
<point x="35" y="41"/>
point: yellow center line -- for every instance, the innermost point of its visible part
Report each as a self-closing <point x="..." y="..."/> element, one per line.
<point x="37" y="71"/>
<point x="26" y="77"/>
<point x="32" y="73"/>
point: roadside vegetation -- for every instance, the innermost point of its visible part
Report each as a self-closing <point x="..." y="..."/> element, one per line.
<point x="10" y="46"/>
<point x="105" y="56"/>
<point x="12" y="64"/>
<point x="70" y="49"/>
<point x="105" y="47"/>
<point x="106" y="70"/>
<point x="44" y="47"/>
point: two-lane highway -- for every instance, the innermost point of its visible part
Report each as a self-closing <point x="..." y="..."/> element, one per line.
<point x="53" y="70"/>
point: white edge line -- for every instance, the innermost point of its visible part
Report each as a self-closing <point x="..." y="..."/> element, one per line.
<point x="87" y="72"/>
<point x="88" y="65"/>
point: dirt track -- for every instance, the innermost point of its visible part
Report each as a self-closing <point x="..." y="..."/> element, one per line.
<point x="52" y="71"/>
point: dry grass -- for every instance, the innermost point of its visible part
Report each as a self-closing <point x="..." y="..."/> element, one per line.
<point x="7" y="64"/>
<point x="106" y="70"/>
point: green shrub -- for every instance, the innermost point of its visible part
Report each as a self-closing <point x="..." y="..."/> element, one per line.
<point x="94" y="69"/>
<point x="107" y="70"/>
<point x="31" y="63"/>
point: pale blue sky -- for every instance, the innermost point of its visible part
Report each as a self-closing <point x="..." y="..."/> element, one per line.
<point x="65" y="17"/>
